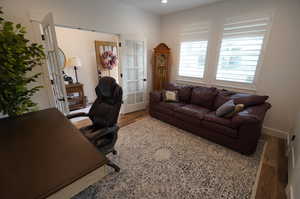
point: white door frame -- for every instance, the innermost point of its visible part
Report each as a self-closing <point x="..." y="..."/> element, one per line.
<point x="125" y="108"/>
<point x="57" y="84"/>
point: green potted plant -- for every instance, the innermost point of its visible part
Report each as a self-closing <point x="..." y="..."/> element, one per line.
<point x="18" y="56"/>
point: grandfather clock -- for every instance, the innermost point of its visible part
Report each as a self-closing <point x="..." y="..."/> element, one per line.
<point x="161" y="66"/>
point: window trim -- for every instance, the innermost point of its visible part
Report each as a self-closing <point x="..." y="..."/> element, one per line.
<point x="212" y="59"/>
<point x="186" y="78"/>
<point x="241" y="85"/>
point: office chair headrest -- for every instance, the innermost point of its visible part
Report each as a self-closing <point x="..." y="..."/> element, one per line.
<point x="106" y="87"/>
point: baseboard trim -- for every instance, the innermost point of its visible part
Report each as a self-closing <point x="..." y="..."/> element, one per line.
<point x="289" y="192"/>
<point x="275" y="132"/>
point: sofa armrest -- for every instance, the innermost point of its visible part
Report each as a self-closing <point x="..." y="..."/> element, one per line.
<point x="249" y="124"/>
<point x="252" y="114"/>
<point x="155" y="97"/>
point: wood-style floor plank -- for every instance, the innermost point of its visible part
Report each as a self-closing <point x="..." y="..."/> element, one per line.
<point x="124" y="119"/>
<point x="267" y="186"/>
<point x="273" y="176"/>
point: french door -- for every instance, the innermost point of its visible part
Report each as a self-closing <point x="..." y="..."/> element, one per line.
<point x="54" y="68"/>
<point x="133" y="74"/>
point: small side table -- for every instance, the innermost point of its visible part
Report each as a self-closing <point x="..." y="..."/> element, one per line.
<point x="76" y="97"/>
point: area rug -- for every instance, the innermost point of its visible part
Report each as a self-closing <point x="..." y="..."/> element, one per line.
<point x="160" y="161"/>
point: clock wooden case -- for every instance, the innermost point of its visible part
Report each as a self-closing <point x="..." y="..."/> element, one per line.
<point x="161" y="66"/>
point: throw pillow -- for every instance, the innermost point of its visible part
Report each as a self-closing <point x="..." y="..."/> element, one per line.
<point x="226" y="108"/>
<point x="170" y="96"/>
<point x="184" y="91"/>
<point x="238" y="108"/>
<point x="251" y="100"/>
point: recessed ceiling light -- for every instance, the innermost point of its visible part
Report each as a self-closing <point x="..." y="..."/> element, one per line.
<point x="164" y="1"/>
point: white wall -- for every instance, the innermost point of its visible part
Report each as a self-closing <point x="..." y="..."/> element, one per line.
<point x="294" y="162"/>
<point x="279" y="75"/>
<point x="81" y="43"/>
<point x="109" y="16"/>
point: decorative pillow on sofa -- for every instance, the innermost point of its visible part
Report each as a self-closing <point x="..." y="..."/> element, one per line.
<point x="238" y="108"/>
<point x="203" y="96"/>
<point x="251" y="100"/>
<point x="226" y="108"/>
<point x="184" y="91"/>
<point x="170" y="96"/>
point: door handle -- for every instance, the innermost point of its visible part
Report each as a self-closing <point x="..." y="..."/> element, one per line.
<point x="61" y="99"/>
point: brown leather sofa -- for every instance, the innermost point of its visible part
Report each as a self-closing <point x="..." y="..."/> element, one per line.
<point x="195" y="112"/>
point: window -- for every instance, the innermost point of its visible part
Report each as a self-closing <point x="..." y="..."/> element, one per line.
<point x="192" y="59"/>
<point x="241" y="49"/>
<point x="193" y="47"/>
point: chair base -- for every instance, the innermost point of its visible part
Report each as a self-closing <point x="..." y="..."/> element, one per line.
<point x="113" y="165"/>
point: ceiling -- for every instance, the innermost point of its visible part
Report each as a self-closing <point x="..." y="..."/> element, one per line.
<point x="155" y="6"/>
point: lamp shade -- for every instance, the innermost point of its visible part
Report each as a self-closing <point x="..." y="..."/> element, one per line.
<point x="73" y="61"/>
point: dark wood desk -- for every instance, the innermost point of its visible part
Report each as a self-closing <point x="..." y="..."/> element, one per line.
<point x="41" y="153"/>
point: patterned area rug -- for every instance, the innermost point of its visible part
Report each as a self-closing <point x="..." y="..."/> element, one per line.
<point x="160" y="161"/>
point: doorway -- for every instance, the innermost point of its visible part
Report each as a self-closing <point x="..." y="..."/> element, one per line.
<point x="131" y="71"/>
<point x="80" y="44"/>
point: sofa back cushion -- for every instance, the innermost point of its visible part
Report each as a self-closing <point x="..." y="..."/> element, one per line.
<point x="204" y="96"/>
<point x="249" y="100"/>
<point x="184" y="91"/>
<point x="222" y="97"/>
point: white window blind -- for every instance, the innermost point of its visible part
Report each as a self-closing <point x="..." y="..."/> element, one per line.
<point x="193" y="47"/>
<point x="241" y="49"/>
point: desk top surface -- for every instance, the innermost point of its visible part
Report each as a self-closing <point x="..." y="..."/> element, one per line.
<point x="41" y="153"/>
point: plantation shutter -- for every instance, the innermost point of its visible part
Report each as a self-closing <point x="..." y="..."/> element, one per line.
<point x="193" y="47"/>
<point x="241" y="49"/>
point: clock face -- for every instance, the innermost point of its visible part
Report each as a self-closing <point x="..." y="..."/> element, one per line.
<point x="161" y="60"/>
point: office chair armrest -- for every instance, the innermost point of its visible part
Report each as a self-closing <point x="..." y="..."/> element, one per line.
<point x="74" y="115"/>
<point x="98" y="134"/>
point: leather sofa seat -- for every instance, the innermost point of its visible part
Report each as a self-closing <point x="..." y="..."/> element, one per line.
<point x="212" y="117"/>
<point x="192" y="110"/>
<point x="220" y="128"/>
<point x="168" y="108"/>
<point x="190" y="113"/>
<point x="219" y="124"/>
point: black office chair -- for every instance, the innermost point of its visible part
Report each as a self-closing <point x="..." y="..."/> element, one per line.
<point x="104" y="113"/>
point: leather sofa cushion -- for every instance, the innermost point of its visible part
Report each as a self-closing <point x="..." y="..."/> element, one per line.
<point x="184" y="92"/>
<point x="155" y="97"/>
<point x="188" y="119"/>
<point x="220" y="128"/>
<point x="171" y="105"/>
<point x="211" y="117"/>
<point x="167" y="107"/>
<point x="192" y="110"/>
<point x="204" y="96"/>
<point x="251" y="100"/>
<point x="220" y="100"/>
<point x="222" y="97"/>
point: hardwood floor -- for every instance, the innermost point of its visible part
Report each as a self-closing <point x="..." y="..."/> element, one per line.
<point x="124" y="119"/>
<point x="273" y="176"/>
